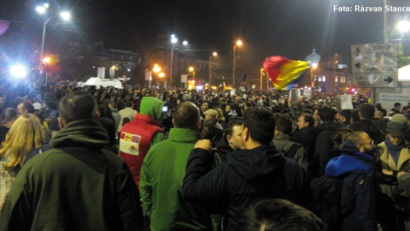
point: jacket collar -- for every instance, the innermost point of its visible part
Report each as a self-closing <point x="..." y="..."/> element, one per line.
<point x="385" y="157"/>
<point x="284" y="137"/>
<point x="183" y="135"/>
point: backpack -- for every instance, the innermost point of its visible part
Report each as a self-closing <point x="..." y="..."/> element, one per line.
<point x="327" y="193"/>
<point x="292" y="150"/>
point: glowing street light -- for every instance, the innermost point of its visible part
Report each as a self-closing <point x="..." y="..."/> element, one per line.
<point x="174" y="41"/>
<point x="46" y="60"/>
<point x="185" y="43"/>
<point x="18" y="71"/>
<point x="238" y="43"/>
<point x="191" y="69"/>
<point x="161" y="74"/>
<point x="156" y="68"/>
<point x="314" y="65"/>
<point x="403" y="26"/>
<point x="65" y="15"/>
<point x="210" y="66"/>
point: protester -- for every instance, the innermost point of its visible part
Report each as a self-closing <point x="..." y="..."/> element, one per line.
<point x="77" y="185"/>
<point x="163" y="172"/>
<point x="231" y="139"/>
<point x="279" y="215"/>
<point x="233" y="183"/>
<point x="138" y="136"/>
<point x="14" y="150"/>
<point x="356" y="167"/>
<point x="7" y="118"/>
<point x="366" y="114"/>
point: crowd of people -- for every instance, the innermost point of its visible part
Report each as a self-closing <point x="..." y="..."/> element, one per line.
<point x="94" y="158"/>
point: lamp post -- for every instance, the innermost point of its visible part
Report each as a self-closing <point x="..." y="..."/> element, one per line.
<point x="210" y="67"/>
<point x="46" y="61"/>
<point x="238" y="43"/>
<point x="65" y="15"/>
<point x="314" y="66"/>
<point x="191" y="69"/>
<point x="174" y="41"/>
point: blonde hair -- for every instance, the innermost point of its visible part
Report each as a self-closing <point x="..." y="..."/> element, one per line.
<point x="25" y="134"/>
<point x="220" y="115"/>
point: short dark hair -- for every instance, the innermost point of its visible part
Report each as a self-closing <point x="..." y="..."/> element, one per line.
<point x="367" y="111"/>
<point x="8" y="115"/>
<point x="346" y="114"/>
<point x="284" y="124"/>
<point x="228" y="129"/>
<point x="354" y="114"/>
<point x="260" y="123"/>
<point x="28" y="106"/>
<point x="397" y="104"/>
<point x="308" y="118"/>
<point x="327" y="113"/>
<point x="284" y="111"/>
<point x="128" y="103"/>
<point x="186" y="115"/>
<point x="279" y="215"/>
<point x="77" y="106"/>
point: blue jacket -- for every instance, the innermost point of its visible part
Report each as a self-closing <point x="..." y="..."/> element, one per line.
<point x="358" y="201"/>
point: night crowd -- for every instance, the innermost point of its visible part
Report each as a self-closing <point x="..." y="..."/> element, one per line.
<point x="95" y="158"/>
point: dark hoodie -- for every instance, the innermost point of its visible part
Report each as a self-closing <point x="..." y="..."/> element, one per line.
<point x="358" y="201"/>
<point x="223" y="148"/>
<point x="324" y="140"/>
<point x="246" y="177"/>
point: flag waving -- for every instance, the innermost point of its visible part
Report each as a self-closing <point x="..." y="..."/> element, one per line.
<point x="244" y="80"/>
<point x="283" y="72"/>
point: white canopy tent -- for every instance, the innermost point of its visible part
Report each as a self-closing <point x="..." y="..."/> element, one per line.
<point x="96" y="81"/>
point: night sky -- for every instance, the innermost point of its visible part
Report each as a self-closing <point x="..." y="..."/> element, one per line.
<point x="267" y="27"/>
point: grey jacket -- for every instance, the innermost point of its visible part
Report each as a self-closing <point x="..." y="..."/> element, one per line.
<point x="284" y="142"/>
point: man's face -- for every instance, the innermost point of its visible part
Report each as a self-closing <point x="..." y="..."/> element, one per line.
<point x="235" y="141"/>
<point x="302" y="123"/>
<point x="367" y="145"/>
<point x="204" y="106"/>
<point x="21" y="109"/>
<point x="395" y="140"/>
<point x="227" y="109"/>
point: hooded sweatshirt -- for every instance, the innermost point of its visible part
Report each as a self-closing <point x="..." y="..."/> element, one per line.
<point x="152" y="107"/>
<point x="247" y="176"/>
<point x="77" y="185"/>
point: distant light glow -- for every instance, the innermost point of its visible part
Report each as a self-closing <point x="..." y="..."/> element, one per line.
<point x="403" y="26"/>
<point x="172" y="36"/>
<point x="41" y="9"/>
<point x="157" y="69"/>
<point x="191" y="68"/>
<point x="214" y="54"/>
<point x="128" y="69"/>
<point x="174" y="40"/>
<point x="161" y="74"/>
<point x="46" y="60"/>
<point x="46" y="5"/>
<point x="199" y="88"/>
<point x="18" y="71"/>
<point x="239" y="43"/>
<point x="185" y="43"/>
<point x="65" y="15"/>
<point x="314" y="65"/>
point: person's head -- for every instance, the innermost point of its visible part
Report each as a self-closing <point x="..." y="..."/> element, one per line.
<point x="378" y="106"/>
<point x="283" y="125"/>
<point x="258" y="127"/>
<point x="397" y="106"/>
<point x="101" y="110"/>
<point x="362" y="141"/>
<point x="327" y="113"/>
<point x="341" y="135"/>
<point x="366" y="111"/>
<point x="305" y="120"/>
<point x="379" y="115"/>
<point x="112" y="105"/>
<point x="121" y="105"/>
<point x="25" y="108"/>
<point x="233" y="133"/>
<point x="247" y="106"/>
<point x="186" y="115"/>
<point x="285" y="111"/>
<point x="77" y="106"/>
<point x="129" y="103"/>
<point x="8" y="116"/>
<point x="210" y="114"/>
<point x="396" y="132"/>
<point x="345" y="115"/>
<point x="354" y="116"/>
<point x="279" y="215"/>
<point x="204" y="106"/>
<point x="220" y="115"/>
<point x="25" y="134"/>
<point x="228" y="108"/>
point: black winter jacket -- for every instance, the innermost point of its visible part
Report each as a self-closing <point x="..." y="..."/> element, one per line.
<point x="367" y="126"/>
<point x="246" y="177"/>
<point x="324" y="140"/>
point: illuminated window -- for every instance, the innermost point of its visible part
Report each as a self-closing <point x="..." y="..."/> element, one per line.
<point x="336" y="79"/>
<point x="324" y="78"/>
<point x="315" y="78"/>
<point x="320" y="79"/>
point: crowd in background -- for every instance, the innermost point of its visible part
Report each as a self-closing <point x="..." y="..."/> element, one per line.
<point x="189" y="158"/>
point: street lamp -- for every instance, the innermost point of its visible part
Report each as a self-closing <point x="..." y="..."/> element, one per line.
<point x="210" y="65"/>
<point x="65" y="15"/>
<point x="314" y="66"/>
<point x="191" y="69"/>
<point x="161" y="75"/>
<point x="156" y="68"/>
<point x="174" y="41"/>
<point x="403" y="26"/>
<point x="238" y="43"/>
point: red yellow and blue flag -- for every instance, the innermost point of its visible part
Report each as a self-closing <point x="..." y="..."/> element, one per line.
<point x="244" y="80"/>
<point x="283" y="72"/>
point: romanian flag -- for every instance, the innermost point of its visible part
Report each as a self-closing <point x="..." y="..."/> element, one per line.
<point x="244" y="80"/>
<point x="283" y="72"/>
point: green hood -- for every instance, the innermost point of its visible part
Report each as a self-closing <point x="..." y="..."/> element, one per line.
<point x="152" y="107"/>
<point x="86" y="133"/>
